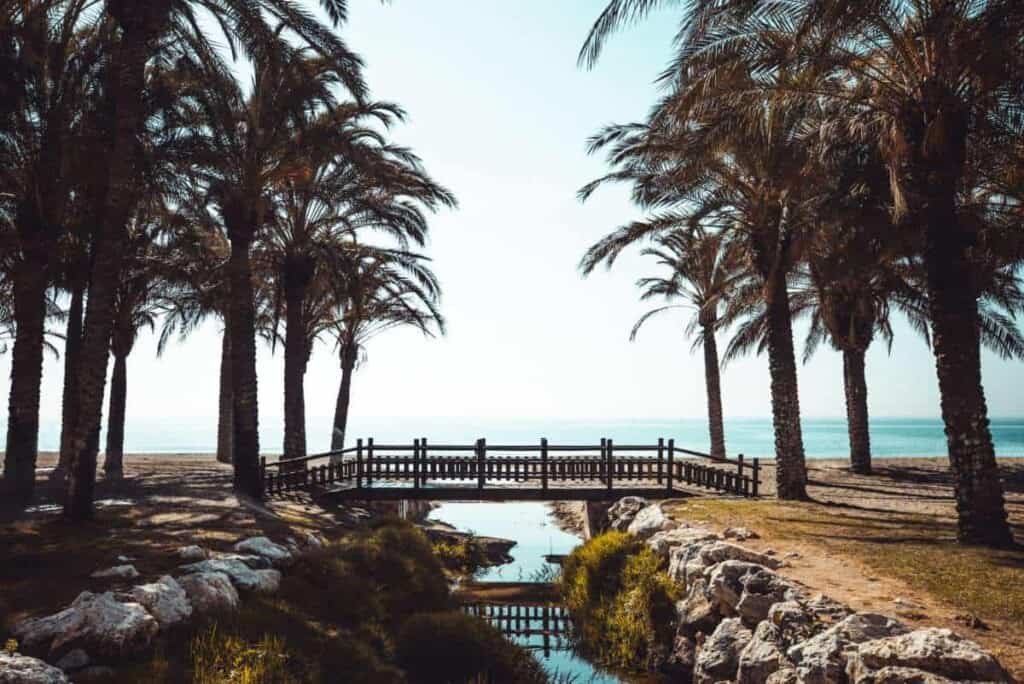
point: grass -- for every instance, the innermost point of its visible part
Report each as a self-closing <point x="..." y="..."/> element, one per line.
<point x="918" y="549"/>
<point x="621" y="600"/>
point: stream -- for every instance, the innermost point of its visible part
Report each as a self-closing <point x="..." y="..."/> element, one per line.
<point x="537" y="533"/>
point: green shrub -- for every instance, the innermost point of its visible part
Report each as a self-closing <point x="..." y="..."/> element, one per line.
<point x="462" y="557"/>
<point x="450" y="647"/>
<point x="621" y="600"/>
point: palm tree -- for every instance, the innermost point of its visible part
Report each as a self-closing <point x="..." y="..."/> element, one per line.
<point x="738" y="171"/>
<point x="145" y="28"/>
<point x="703" y="270"/>
<point x="51" y="51"/>
<point x="351" y="181"/>
<point x="380" y="290"/>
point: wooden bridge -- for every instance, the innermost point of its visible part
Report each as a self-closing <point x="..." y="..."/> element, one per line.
<point x="541" y="471"/>
<point x="541" y="627"/>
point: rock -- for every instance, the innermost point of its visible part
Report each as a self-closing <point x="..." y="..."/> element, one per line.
<point x="682" y="658"/>
<point x="696" y="613"/>
<point x="165" y="600"/>
<point x="689" y="562"/>
<point x="243" y="576"/>
<point x="192" y="553"/>
<point x="786" y="675"/>
<point x="972" y="621"/>
<point x="719" y="655"/>
<point x="740" y="533"/>
<point x="124" y="559"/>
<point x="822" y="658"/>
<point x="933" y="651"/>
<point x="649" y="521"/>
<point x="622" y="512"/>
<point x="762" y="656"/>
<point x="747" y="589"/>
<point x="314" y="542"/>
<point x="116" y="572"/>
<point x="900" y="675"/>
<point x="209" y="592"/>
<point x="73" y="660"/>
<point x="268" y="581"/>
<point x="278" y="555"/>
<point x="792" y="555"/>
<point x="253" y="561"/>
<point x="664" y="541"/>
<point x="19" y="669"/>
<point x="99" y="623"/>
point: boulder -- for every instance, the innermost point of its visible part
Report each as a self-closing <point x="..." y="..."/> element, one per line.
<point x="664" y="541"/>
<point x="786" y="675"/>
<point x="696" y="613"/>
<point x="116" y="572"/>
<point x="314" y="541"/>
<point x="682" y="658"/>
<point x="192" y="553"/>
<point x="900" y="675"/>
<point x="209" y="592"/>
<point x="98" y="623"/>
<point x="278" y="555"/>
<point x="165" y="600"/>
<point x="740" y="533"/>
<point x="243" y="576"/>
<point x="822" y="658"/>
<point x="649" y="521"/>
<point x="73" y="660"/>
<point x="938" y="652"/>
<point x="762" y="657"/>
<point x="747" y="589"/>
<point x="622" y="512"/>
<point x="19" y="669"/>
<point x="719" y="655"/>
<point x="692" y="560"/>
<point x="253" y="561"/>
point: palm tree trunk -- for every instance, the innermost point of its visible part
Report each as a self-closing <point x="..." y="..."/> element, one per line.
<point x="241" y="322"/>
<point x="72" y="350"/>
<point x="294" y="366"/>
<point x="225" y="423"/>
<point x="790" y="470"/>
<point x="348" y="364"/>
<point x="113" y="465"/>
<point x="956" y="343"/>
<point x="713" y="386"/>
<point x="856" y="388"/>
<point x="26" y="379"/>
<point x="140" y="23"/>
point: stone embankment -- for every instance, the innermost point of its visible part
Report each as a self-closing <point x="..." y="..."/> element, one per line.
<point x="742" y="621"/>
<point x="96" y="630"/>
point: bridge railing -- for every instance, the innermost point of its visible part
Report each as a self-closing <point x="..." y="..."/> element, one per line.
<point x="544" y="466"/>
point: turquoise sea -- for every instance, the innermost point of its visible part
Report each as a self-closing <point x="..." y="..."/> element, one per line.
<point x="823" y="437"/>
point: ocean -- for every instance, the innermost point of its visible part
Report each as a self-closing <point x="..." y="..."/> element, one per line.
<point x="752" y="437"/>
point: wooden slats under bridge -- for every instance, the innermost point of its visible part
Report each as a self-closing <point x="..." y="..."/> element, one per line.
<point x="541" y="471"/>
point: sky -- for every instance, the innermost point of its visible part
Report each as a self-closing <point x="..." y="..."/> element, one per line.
<point x="500" y="113"/>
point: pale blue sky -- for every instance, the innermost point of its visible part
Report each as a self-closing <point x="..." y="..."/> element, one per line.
<point x="500" y="113"/>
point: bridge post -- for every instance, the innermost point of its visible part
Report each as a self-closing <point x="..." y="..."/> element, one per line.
<point x="369" y="462"/>
<point x="544" y="464"/>
<point x="671" y="464"/>
<point x="661" y="459"/>
<point x="415" y="464"/>
<point x="603" y="467"/>
<point x="481" y="455"/>
<point x="757" y="475"/>
<point x="424" y="467"/>
<point x="359" y="463"/>
<point x="739" y="473"/>
<point x="611" y="464"/>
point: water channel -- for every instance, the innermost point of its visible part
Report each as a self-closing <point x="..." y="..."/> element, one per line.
<point x="537" y="533"/>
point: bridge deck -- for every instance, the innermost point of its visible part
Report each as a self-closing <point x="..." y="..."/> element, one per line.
<point x="510" y="472"/>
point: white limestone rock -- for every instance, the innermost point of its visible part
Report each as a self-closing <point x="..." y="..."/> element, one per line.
<point x="127" y="572"/>
<point x="649" y="521"/>
<point x="822" y="659"/>
<point x="98" y="623"/>
<point x="278" y="555"/>
<point x="209" y="592"/>
<point x="253" y="561"/>
<point x="192" y="553"/>
<point x="937" y="652"/>
<point x="691" y="561"/>
<point x="762" y="657"/>
<point x="748" y="590"/>
<point x="719" y="655"/>
<point x="663" y="542"/>
<point x="19" y="669"/>
<point x="740" y="533"/>
<point x="622" y="512"/>
<point x="165" y="600"/>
